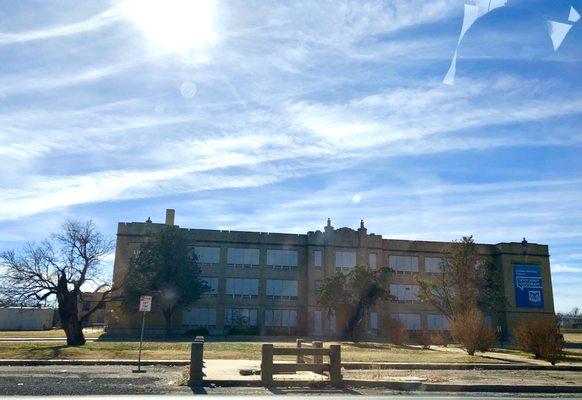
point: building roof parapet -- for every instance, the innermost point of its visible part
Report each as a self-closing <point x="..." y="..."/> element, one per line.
<point x="341" y="237"/>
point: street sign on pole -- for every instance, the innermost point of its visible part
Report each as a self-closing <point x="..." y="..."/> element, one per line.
<point x="145" y="303"/>
<point x="145" y="306"/>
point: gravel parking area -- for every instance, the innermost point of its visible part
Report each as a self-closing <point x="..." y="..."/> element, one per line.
<point x="89" y="380"/>
<point x="119" y="380"/>
<point x="472" y="377"/>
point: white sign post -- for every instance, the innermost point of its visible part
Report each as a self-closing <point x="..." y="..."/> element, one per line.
<point x="145" y="306"/>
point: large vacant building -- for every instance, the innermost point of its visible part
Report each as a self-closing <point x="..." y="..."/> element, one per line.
<point x="268" y="281"/>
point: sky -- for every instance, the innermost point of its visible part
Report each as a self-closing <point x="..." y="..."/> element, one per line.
<point x="273" y="116"/>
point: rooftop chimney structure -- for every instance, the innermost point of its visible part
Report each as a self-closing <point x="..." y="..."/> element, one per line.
<point x="170" y="214"/>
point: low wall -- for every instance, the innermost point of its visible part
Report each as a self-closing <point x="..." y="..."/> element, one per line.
<point x="25" y="318"/>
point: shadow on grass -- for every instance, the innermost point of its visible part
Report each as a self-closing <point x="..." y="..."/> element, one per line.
<point x="50" y="351"/>
<point x="385" y="346"/>
<point x="368" y="345"/>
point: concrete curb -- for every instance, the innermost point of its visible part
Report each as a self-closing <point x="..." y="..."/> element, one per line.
<point x="345" y="365"/>
<point x="402" y="386"/>
<point x="436" y="387"/>
<point x="458" y="366"/>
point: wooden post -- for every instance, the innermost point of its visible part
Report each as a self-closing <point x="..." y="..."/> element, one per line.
<point x="300" y="359"/>
<point x="196" y="362"/>
<point x="335" y="364"/>
<point x="267" y="364"/>
<point x="318" y="359"/>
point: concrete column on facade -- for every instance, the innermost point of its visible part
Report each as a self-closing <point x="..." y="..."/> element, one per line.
<point x="304" y="273"/>
<point x="221" y="288"/>
<point x="262" y="289"/>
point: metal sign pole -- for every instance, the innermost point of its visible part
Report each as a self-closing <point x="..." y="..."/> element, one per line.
<point x="145" y="305"/>
<point x="141" y="344"/>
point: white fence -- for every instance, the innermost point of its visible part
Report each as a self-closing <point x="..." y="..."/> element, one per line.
<point x="25" y="318"/>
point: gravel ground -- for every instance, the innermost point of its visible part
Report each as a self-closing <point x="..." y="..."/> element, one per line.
<point x="89" y="380"/>
<point x="503" y="377"/>
<point x="119" y="380"/>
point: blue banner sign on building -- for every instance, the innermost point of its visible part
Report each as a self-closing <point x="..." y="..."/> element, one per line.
<point x="529" y="291"/>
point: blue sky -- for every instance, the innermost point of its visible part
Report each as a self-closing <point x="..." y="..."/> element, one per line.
<point x="274" y="116"/>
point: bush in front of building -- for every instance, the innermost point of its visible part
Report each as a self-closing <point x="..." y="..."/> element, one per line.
<point x="396" y="332"/>
<point x="422" y="338"/>
<point x="281" y="331"/>
<point x="197" y="332"/>
<point x="244" y="330"/>
<point x="439" y="338"/>
<point x="540" y="336"/>
<point x="471" y="332"/>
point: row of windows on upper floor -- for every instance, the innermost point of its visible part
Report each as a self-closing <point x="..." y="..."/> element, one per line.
<point x="403" y="294"/>
<point x="287" y="289"/>
<point x="241" y="288"/>
<point x="289" y="259"/>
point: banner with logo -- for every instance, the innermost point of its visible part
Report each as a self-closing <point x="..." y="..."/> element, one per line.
<point x="529" y="291"/>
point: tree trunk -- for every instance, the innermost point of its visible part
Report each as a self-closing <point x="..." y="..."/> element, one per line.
<point x="74" y="331"/>
<point x="69" y="313"/>
<point x="168" y="314"/>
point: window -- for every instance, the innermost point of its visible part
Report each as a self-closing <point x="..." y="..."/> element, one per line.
<point x="345" y="261"/>
<point x="403" y="264"/>
<point x="317" y="259"/>
<point x="281" y="318"/>
<point x="242" y="258"/>
<point x="213" y="283"/>
<point x="437" y="322"/>
<point x="240" y="317"/>
<point x="86" y="305"/>
<point x="318" y="285"/>
<point x="373" y="320"/>
<point x="373" y="260"/>
<point x="195" y="316"/>
<point x="404" y="293"/>
<point x="433" y="264"/>
<point x="282" y="259"/>
<point x="281" y="289"/>
<point x="411" y="321"/>
<point x="207" y="256"/>
<point x="242" y="288"/>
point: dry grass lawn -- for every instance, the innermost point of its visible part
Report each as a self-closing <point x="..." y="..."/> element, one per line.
<point x="573" y="337"/>
<point x="376" y="352"/>
<point x="49" y="334"/>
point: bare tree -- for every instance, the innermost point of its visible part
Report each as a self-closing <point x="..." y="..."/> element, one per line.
<point x="59" y="268"/>
<point x="468" y="280"/>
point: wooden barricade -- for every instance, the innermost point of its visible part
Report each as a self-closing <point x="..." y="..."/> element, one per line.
<point x="269" y="368"/>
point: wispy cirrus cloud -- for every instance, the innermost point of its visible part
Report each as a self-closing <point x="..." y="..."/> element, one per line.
<point x="561" y="268"/>
<point x="90" y="24"/>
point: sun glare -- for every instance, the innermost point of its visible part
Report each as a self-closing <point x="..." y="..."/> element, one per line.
<point x="174" y="25"/>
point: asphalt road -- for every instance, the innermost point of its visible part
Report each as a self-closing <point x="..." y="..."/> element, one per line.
<point x="119" y="380"/>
